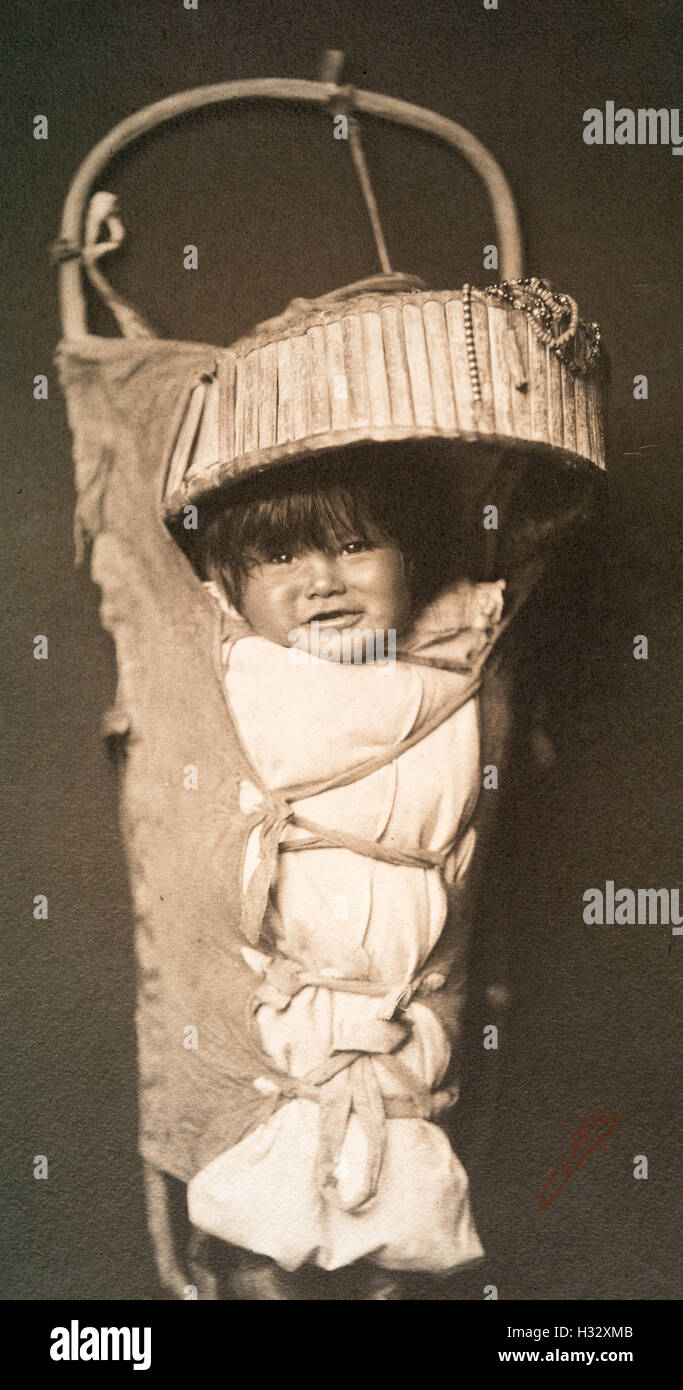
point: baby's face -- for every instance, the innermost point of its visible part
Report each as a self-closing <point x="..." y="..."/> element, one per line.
<point x="360" y="585"/>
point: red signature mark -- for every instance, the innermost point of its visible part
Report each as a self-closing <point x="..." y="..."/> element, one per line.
<point x="595" y="1132"/>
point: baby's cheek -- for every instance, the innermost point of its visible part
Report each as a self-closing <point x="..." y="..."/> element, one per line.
<point x="402" y="607"/>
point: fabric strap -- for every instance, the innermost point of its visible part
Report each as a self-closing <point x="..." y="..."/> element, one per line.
<point x="275" y="813"/>
<point x="346" y="1083"/>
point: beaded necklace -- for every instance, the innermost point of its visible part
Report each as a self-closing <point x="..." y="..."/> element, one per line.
<point x="548" y="311"/>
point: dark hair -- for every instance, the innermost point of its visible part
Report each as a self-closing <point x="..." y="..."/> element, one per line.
<point x="317" y="503"/>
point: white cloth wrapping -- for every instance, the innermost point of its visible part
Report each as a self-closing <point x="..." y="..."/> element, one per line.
<point x="342" y="914"/>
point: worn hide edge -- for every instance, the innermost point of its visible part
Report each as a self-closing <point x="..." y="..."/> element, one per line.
<point x="182" y="846"/>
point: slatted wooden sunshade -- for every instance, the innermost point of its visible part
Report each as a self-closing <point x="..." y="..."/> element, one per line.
<point x="383" y="367"/>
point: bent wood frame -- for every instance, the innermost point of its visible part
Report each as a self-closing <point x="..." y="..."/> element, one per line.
<point x="508" y="231"/>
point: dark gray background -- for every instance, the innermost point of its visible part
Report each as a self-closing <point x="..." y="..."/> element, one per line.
<point x="270" y="199"/>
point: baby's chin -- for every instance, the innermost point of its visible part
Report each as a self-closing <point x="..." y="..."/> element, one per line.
<point x="357" y="645"/>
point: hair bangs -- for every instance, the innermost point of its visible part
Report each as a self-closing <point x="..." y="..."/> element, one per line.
<point x="309" y="519"/>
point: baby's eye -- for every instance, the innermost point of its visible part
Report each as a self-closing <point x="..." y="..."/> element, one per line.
<point x="355" y="547"/>
<point x="282" y="557"/>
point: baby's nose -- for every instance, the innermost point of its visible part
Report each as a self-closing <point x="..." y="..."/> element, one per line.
<point x="323" y="575"/>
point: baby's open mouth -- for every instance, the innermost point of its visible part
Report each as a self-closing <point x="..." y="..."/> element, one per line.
<point x="334" y="617"/>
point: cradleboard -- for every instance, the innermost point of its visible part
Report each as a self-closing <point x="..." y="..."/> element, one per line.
<point x="507" y="380"/>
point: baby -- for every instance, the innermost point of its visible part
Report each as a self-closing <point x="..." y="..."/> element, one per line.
<point x="371" y="765"/>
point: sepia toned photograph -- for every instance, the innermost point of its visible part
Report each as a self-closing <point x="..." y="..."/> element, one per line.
<point x="343" y="653"/>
